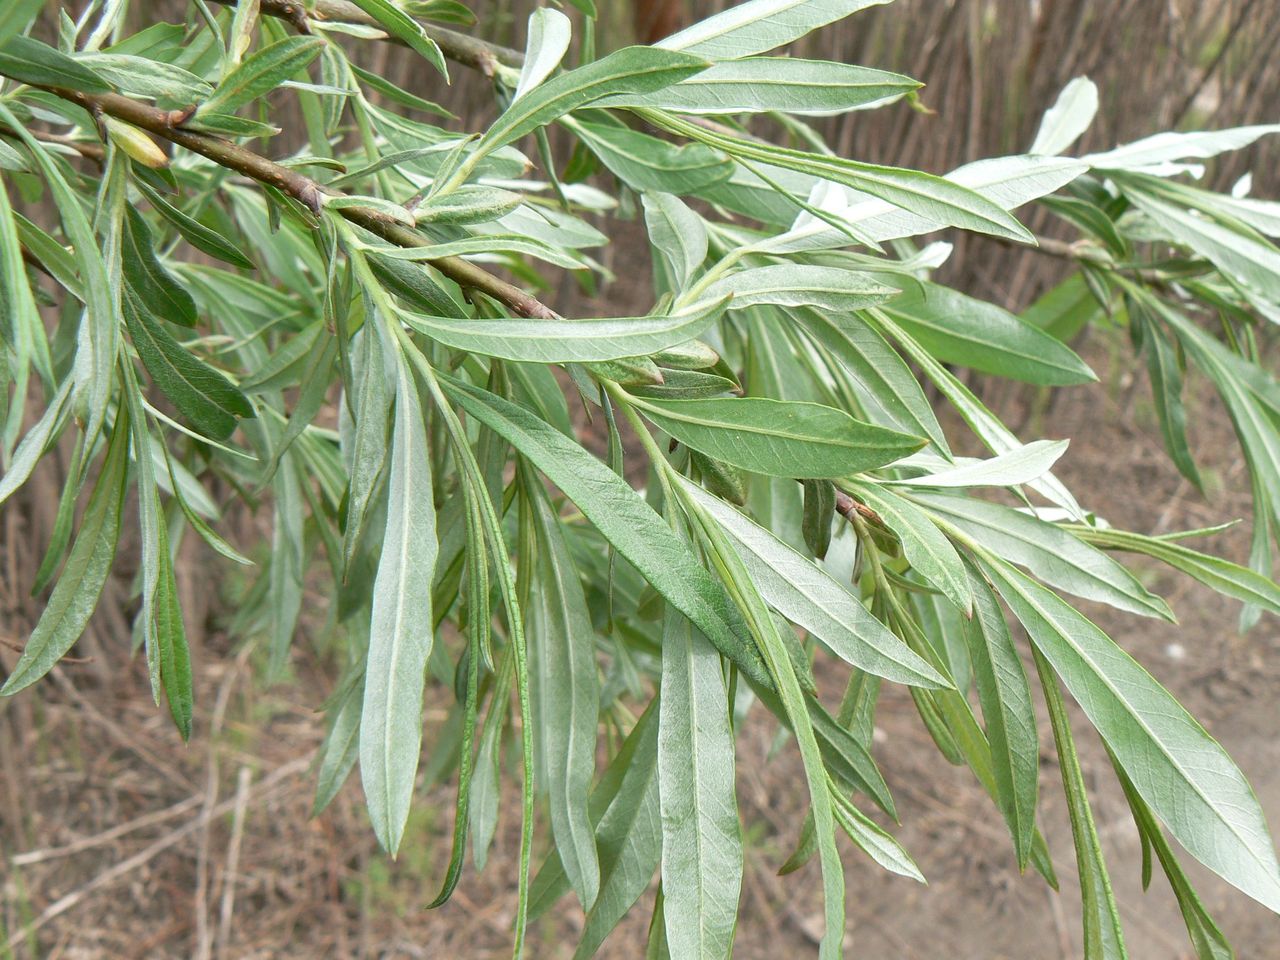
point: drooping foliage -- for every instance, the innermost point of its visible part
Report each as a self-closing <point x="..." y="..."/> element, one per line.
<point x="182" y="319"/>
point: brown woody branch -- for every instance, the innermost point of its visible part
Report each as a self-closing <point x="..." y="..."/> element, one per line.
<point x="458" y="47"/>
<point x="310" y="193"/>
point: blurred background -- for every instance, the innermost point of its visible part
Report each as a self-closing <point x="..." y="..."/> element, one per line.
<point x="118" y="841"/>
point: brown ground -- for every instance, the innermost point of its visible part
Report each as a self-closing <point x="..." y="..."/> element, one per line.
<point x="120" y="842"/>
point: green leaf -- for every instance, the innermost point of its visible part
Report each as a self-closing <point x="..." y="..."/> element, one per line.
<point x="1070" y="116"/>
<point x="1177" y="768"/>
<point x="701" y="836"/>
<point x="404" y="28"/>
<point x="570" y="341"/>
<point x="341" y="746"/>
<point x="877" y="843"/>
<point x="16" y="16"/>
<point x="171" y="637"/>
<point x="629" y="70"/>
<point x="1005" y="697"/>
<point x="73" y="600"/>
<point x="889" y="392"/>
<point x="819" y="512"/>
<point x="936" y="199"/>
<point x="807" y="595"/>
<point x="677" y="233"/>
<point x="147" y="277"/>
<point x="1240" y="252"/>
<point x="1222" y="575"/>
<point x="801" y="285"/>
<point x="1206" y="938"/>
<point x="472" y="204"/>
<point x="1103" y="936"/>
<point x="646" y="163"/>
<point x="1023" y="465"/>
<point x="549" y="35"/>
<point x="622" y="517"/>
<point x="764" y="84"/>
<point x="1048" y="551"/>
<point x="147" y="78"/>
<point x="566" y="696"/>
<point x="400" y="633"/>
<point x="27" y="60"/>
<point x="95" y="363"/>
<point x="760" y="25"/>
<point x="1165" y="148"/>
<point x="629" y="838"/>
<point x="261" y="73"/>
<point x="929" y="552"/>
<point x="796" y="711"/>
<point x="1166" y="392"/>
<point x="193" y="231"/>
<point x="203" y="395"/>
<point x="779" y="438"/>
<point x="957" y="328"/>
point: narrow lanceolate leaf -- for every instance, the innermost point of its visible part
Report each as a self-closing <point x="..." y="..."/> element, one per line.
<point x="1103" y="936"/>
<point x="935" y="199"/>
<point x="562" y="645"/>
<point x="1206" y="938"/>
<point x="1051" y="553"/>
<point x="261" y="73"/>
<point x="760" y="25"/>
<point x="890" y="394"/>
<point x="1222" y="575"/>
<point x="1005" y="697"/>
<point x="171" y="638"/>
<point x="147" y="277"/>
<point x="85" y="572"/>
<point x="1069" y="117"/>
<point x="203" y="395"/>
<point x="622" y="517"/>
<point x="764" y="84"/>
<point x="957" y="328"/>
<point x="1004" y="470"/>
<point x="928" y="551"/>
<point x="1178" y="769"/>
<point x="779" y="438"/>
<point x="400" y="633"/>
<point x="549" y="34"/>
<point x="193" y="231"/>
<point x="371" y="409"/>
<point x="629" y="70"/>
<point x="629" y="837"/>
<point x="404" y="28"/>
<point x="676" y="232"/>
<point x="701" y="836"/>
<point x="28" y="60"/>
<point x="96" y="350"/>
<point x="15" y="16"/>
<point x="648" y="163"/>
<point x="570" y="341"/>
<point x="807" y="595"/>
<point x="801" y="285"/>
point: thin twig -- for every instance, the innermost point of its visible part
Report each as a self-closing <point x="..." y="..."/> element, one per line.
<point x="167" y="124"/>
<point x="458" y="47"/>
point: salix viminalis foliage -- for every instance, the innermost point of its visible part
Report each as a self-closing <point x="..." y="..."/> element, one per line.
<point x="181" y="322"/>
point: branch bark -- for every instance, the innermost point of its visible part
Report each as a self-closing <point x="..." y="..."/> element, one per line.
<point x="310" y="193"/>
<point x="458" y="47"/>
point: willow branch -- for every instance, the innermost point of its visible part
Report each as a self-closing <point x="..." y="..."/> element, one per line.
<point x="167" y="124"/>
<point x="458" y="47"/>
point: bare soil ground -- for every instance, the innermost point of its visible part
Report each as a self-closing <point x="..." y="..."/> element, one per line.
<point x="118" y="841"/>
